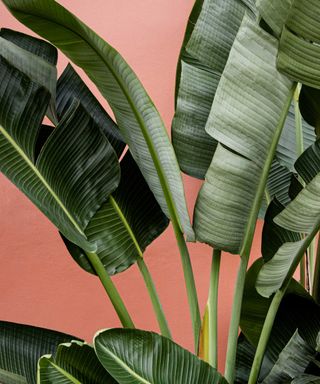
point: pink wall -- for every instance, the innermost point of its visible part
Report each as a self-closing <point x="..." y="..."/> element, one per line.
<point x="39" y="282"/>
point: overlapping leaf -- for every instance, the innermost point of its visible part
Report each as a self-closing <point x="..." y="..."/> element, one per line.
<point x="136" y="357"/>
<point x="125" y="225"/>
<point x="209" y="38"/>
<point x="247" y="114"/>
<point x="74" y="362"/>
<point x="136" y="115"/>
<point x="90" y="167"/>
<point x="20" y="348"/>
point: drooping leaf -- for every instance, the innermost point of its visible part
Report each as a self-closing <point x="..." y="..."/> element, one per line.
<point x="125" y="225"/>
<point x="74" y="362"/>
<point x="203" y="57"/>
<point x="246" y="118"/>
<point x="293" y="360"/>
<point x="70" y="86"/>
<point x="22" y="53"/>
<point x="299" y="50"/>
<point x="90" y="167"/>
<point x="20" y="348"/>
<point x="308" y="164"/>
<point x="134" y="356"/>
<point x="137" y="118"/>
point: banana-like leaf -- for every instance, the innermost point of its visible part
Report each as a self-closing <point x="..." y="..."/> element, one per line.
<point x="306" y="379"/>
<point x="308" y="164"/>
<point x="32" y="57"/>
<point x="137" y="118"/>
<point x="21" y="346"/>
<point x="274" y="13"/>
<point x="140" y="357"/>
<point x="274" y="236"/>
<point x="247" y="115"/>
<point x="299" y="51"/>
<point x="203" y="57"/>
<point x="74" y="362"/>
<point x="293" y="361"/>
<point x="70" y="86"/>
<point x="125" y="225"/>
<point x="90" y="166"/>
<point x="296" y="306"/>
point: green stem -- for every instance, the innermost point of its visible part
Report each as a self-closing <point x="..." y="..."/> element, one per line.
<point x="264" y="337"/>
<point x="190" y="285"/>
<point x="162" y="321"/>
<point x="312" y="257"/>
<point x="316" y="277"/>
<point x="246" y="247"/>
<point x="111" y="290"/>
<point x="213" y="309"/>
<point x="303" y="271"/>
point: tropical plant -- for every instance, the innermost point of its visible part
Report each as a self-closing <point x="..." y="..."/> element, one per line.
<point x="246" y="121"/>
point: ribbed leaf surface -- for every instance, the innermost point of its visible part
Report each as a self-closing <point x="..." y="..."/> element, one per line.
<point x="308" y="103"/>
<point x="203" y="58"/>
<point x="252" y="99"/>
<point x="275" y="13"/>
<point x="74" y="362"/>
<point x="135" y="357"/>
<point x="138" y="119"/>
<point x="306" y="379"/>
<point x="299" y="51"/>
<point x="293" y="360"/>
<point x="308" y="164"/>
<point x="125" y="225"/>
<point x="70" y="86"/>
<point x="20" y="348"/>
<point x="90" y="167"/>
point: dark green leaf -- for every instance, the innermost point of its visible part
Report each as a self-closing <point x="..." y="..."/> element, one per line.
<point x="140" y="357"/>
<point x="74" y="362"/>
<point x="21" y="346"/>
<point x="309" y="102"/>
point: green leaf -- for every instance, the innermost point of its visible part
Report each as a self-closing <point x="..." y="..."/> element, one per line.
<point x="133" y="356"/>
<point x="91" y="170"/>
<point x="293" y="360"/>
<point x="22" y="53"/>
<point x="74" y="362"/>
<point x="20" y="348"/>
<point x="299" y="50"/>
<point x="125" y="225"/>
<point x="247" y="115"/>
<point x="308" y="164"/>
<point x="203" y="57"/>
<point x="138" y="119"/>
<point x="306" y="379"/>
<point x="309" y="105"/>
<point x="70" y="86"/>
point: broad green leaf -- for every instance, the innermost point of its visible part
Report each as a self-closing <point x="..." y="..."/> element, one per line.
<point x="25" y="60"/>
<point x="137" y="117"/>
<point x="299" y="51"/>
<point x="274" y="236"/>
<point x="274" y="13"/>
<point x="125" y="225"/>
<point x="73" y="362"/>
<point x="136" y="357"/>
<point x="70" y="86"/>
<point x="246" y="118"/>
<point x="20" y="348"/>
<point x="69" y="198"/>
<point x="306" y="379"/>
<point x="308" y="164"/>
<point x="293" y="360"/>
<point x="203" y="57"/>
<point x="296" y="304"/>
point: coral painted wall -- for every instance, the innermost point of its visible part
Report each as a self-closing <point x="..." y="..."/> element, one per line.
<point x="39" y="282"/>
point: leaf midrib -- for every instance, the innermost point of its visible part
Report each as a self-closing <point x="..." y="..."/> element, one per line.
<point x="63" y="372"/>
<point x="40" y="177"/>
<point x="139" y="119"/>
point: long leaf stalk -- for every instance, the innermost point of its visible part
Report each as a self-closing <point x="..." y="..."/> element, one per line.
<point x="299" y="151"/>
<point x="210" y="325"/>
<point x="316" y="277"/>
<point x="274" y="306"/>
<point x="190" y="285"/>
<point x="162" y="321"/>
<point x="111" y="291"/>
<point x="246" y="248"/>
